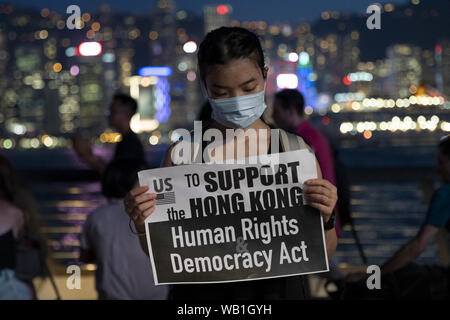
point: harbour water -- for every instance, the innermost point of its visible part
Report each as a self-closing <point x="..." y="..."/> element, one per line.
<point x="387" y="203"/>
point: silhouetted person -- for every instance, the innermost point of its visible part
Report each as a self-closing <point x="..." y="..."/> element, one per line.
<point x="289" y="114"/>
<point x="12" y="223"/>
<point x="123" y="269"/>
<point x="438" y="215"/>
<point x="400" y="277"/>
<point x="122" y="108"/>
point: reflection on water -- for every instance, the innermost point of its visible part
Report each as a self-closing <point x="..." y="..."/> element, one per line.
<point x="387" y="204"/>
<point x="386" y="214"/>
<point x="64" y="207"/>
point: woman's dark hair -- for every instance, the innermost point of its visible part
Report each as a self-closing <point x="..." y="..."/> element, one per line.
<point x="6" y="180"/>
<point x="205" y="112"/>
<point x="444" y="146"/>
<point x="120" y="176"/>
<point x="224" y="44"/>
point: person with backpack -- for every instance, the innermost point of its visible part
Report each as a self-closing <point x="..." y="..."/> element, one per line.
<point x="289" y="114"/>
<point x="106" y="240"/>
<point x="233" y="75"/>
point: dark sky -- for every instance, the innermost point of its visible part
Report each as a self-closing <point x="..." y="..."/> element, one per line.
<point x="268" y="10"/>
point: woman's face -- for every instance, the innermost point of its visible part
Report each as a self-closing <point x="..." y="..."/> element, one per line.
<point x="239" y="77"/>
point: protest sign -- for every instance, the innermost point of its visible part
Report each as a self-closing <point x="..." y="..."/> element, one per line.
<point x="234" y="222"/>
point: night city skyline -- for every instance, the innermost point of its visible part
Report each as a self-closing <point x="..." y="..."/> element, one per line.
<point x="292" y="11"/>
<point x="321" y="57"/>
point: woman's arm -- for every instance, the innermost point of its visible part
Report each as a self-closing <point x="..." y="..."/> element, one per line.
<point x="412" y="250"/>
<point x="83" y="149"/>
<point x="139" y="204"/>
<point x="322" y="195"/>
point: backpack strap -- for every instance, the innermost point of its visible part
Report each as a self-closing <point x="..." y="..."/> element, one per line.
<point x="291" y="142"/>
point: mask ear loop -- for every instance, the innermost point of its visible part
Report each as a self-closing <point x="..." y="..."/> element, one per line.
<point x="203" y="88"/>
<point x="265" y="74"/>
<point x="202" y="85"/>
<point x="265" y="83"/>
<point x="205" y="92"/>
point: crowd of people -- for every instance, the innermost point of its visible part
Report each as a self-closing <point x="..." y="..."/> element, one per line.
<point x="233" y="74"/>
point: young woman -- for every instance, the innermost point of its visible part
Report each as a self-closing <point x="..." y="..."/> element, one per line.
<point x="233" y="74"/>
<point x="12" y="222"/>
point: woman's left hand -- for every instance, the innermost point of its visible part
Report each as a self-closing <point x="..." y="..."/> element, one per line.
<point x="321" y="195"/>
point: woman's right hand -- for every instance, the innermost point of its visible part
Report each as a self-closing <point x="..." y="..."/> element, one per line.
<point x="139" y="205"/>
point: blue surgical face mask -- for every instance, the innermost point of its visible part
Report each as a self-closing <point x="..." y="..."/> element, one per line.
<point x="238" y="112"/>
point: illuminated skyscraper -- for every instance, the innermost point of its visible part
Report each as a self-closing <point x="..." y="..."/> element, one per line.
<point x="306" y="79"/>
<point x="429" y="68"/>
<point x="305" y="40"/>
<point x="93" y="102"/>
<point x="405" y="69"/>
<point x="4" y="59"/>
<point x="163" y="44"/>
<point x="216" y="16"/>
<point x="186" y="97"/>
<point x="28" y="84"/>
<point x="442" y="54"/>
<point x="162" y="34"/>
<point x="369" y="78"/>
<point x="336" y="55"/>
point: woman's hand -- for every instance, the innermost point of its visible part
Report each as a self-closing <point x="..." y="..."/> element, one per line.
<point x="321" y="195"/>
<point x="139" y="205"/>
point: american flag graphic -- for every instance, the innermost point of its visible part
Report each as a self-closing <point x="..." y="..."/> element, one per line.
<point x="165" y="198"/>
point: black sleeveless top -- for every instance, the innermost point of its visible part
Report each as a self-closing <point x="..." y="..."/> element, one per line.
<point x="7" y="251"/>
<point x="283" y="288"/>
